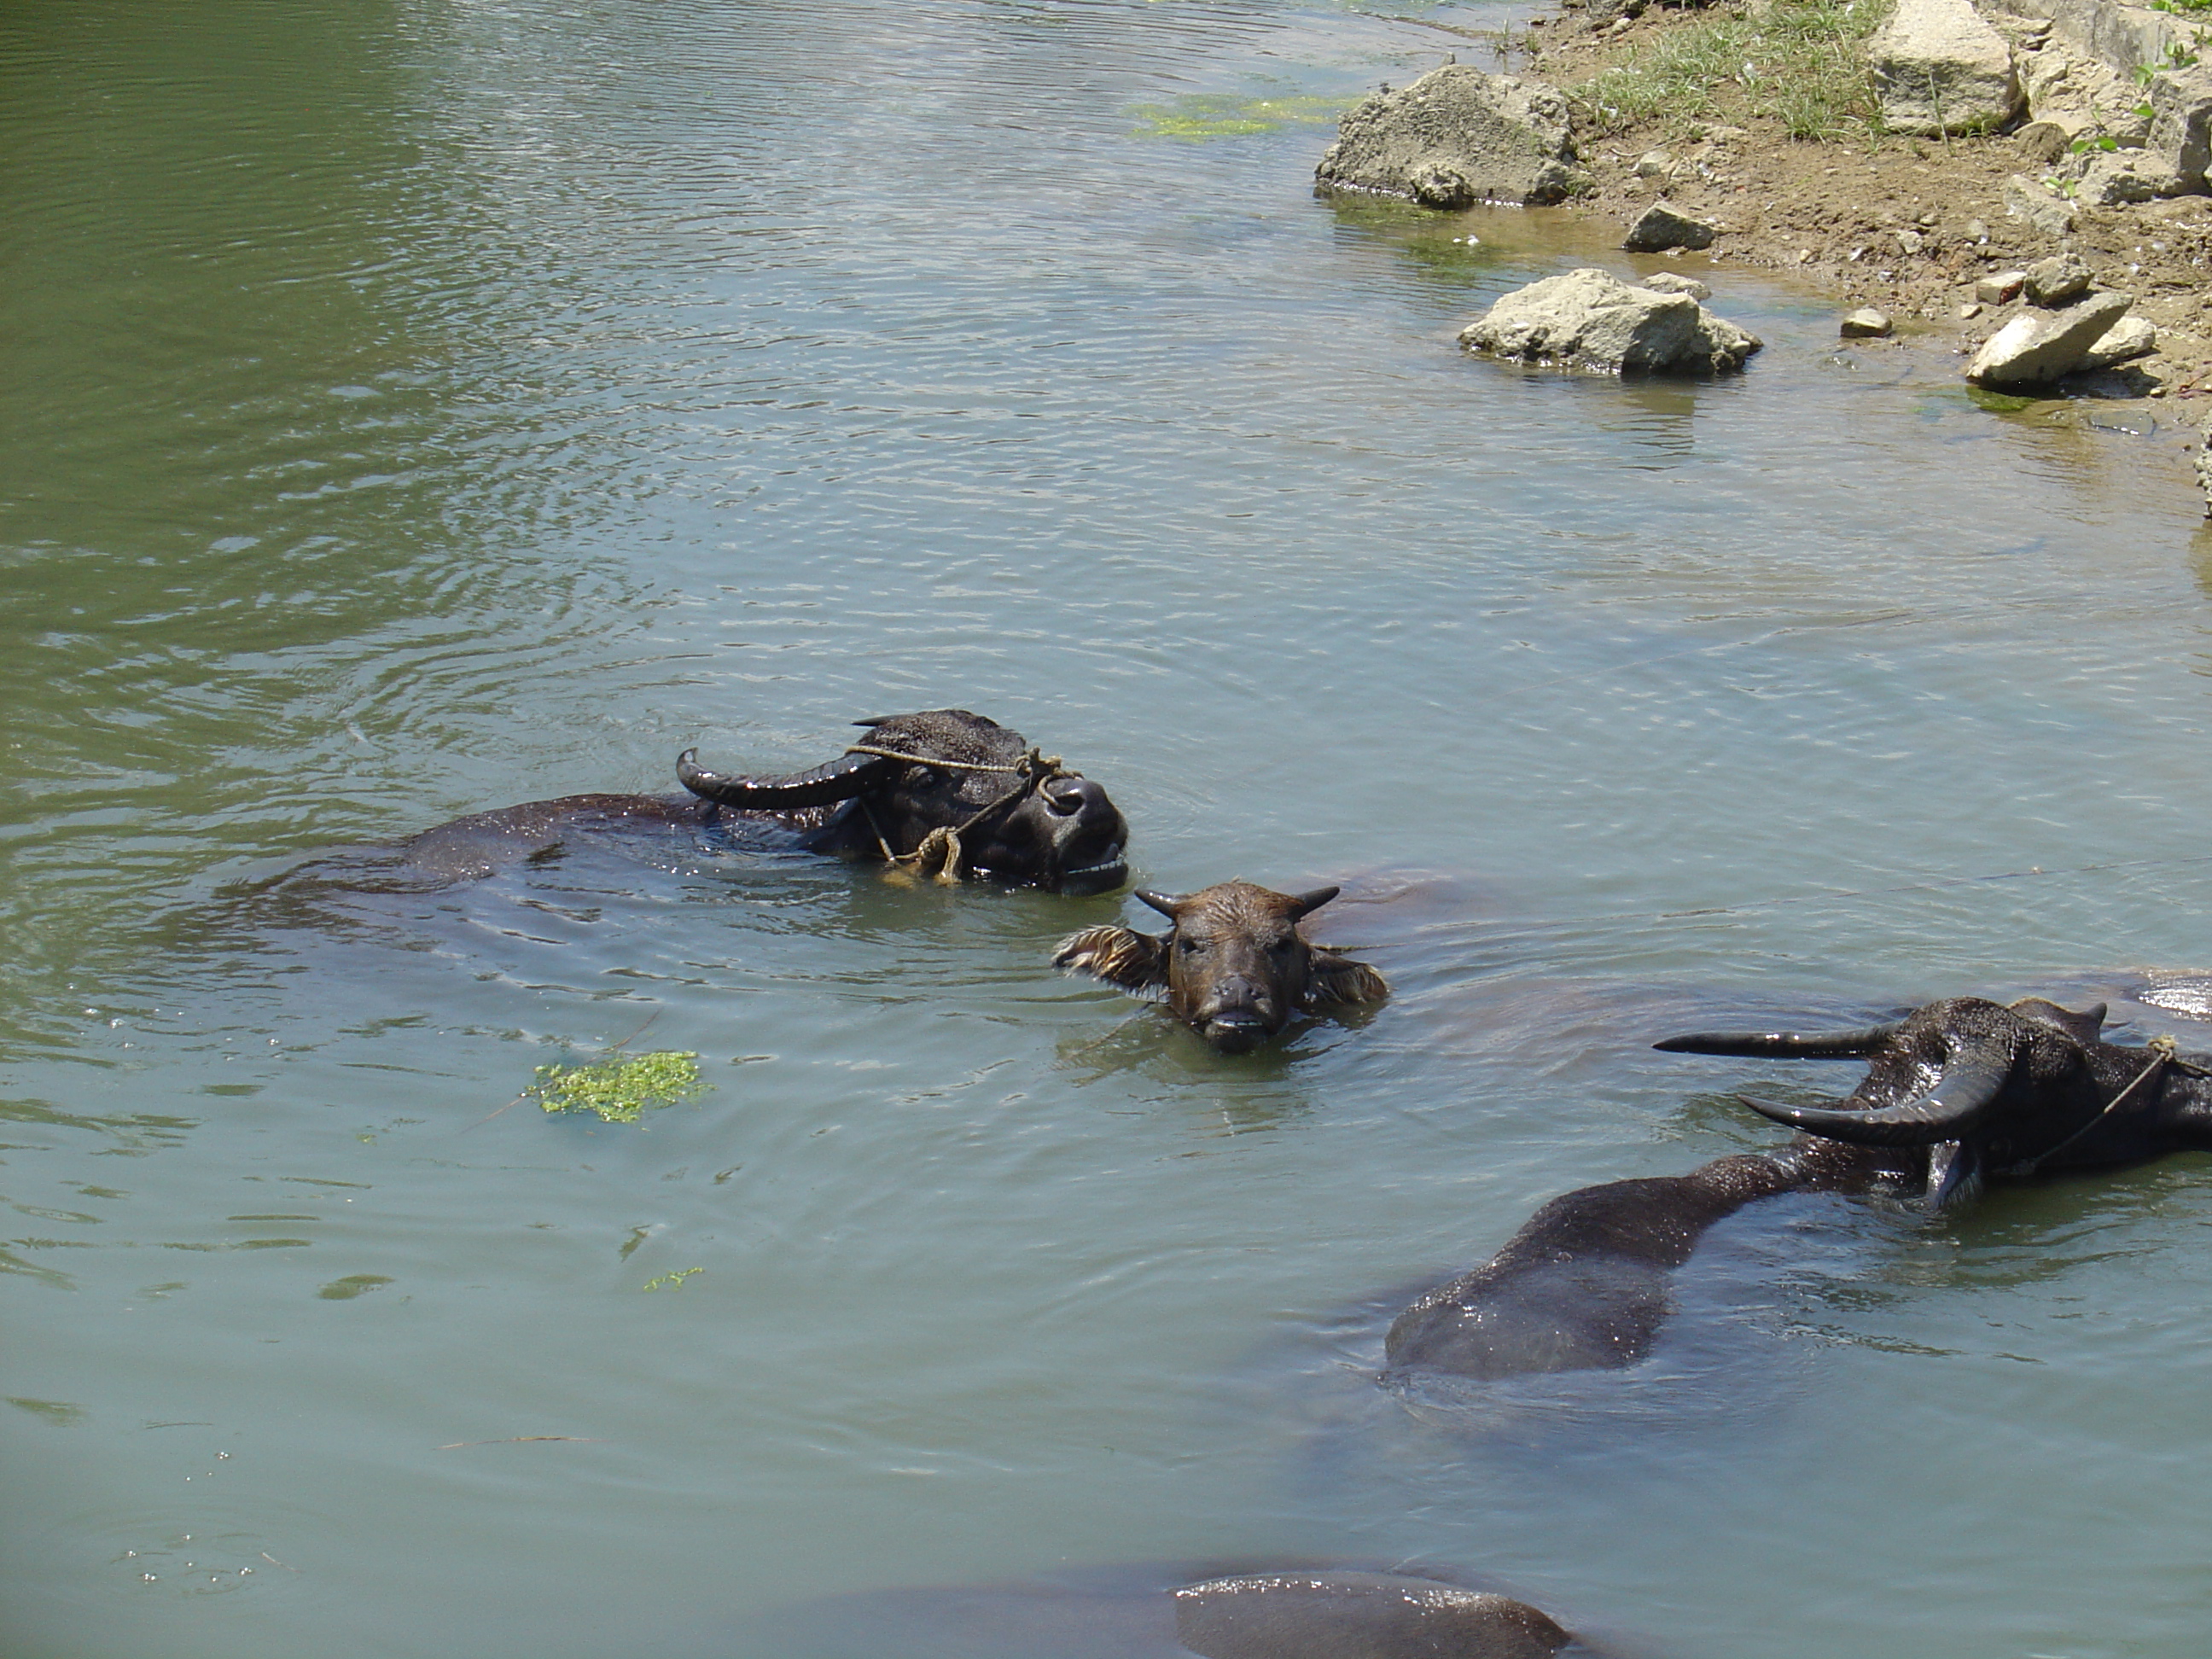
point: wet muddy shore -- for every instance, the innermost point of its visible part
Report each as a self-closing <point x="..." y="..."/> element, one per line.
<point x="1912" y="226"/>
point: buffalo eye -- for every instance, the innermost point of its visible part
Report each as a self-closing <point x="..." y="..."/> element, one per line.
<point x="1186" y="945"/>
<point x="1281" y="947"/>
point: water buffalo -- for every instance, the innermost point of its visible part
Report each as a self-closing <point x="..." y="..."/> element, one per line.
<point x="1957" y="1092"/>
<point x="943" y="792"/>
<point x="1233" y="967"/>
<point x="1168" y="1612"/>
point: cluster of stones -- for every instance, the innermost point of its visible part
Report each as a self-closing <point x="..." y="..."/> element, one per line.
<point x="2063" y="327"/>
<point x="1458" y="137"/>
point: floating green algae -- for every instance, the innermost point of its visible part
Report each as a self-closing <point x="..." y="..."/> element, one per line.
<point x="353" y="1284"/>
<point x="2000" y="402"/>
<point x="619" y="1090"/>
<point x="54" y="1414"/>
<point x="672" y="1281"/>
<point x="1222" y="115"/>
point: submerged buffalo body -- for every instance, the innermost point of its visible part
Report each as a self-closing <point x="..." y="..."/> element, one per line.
<point x="1958" y="1092"/>
<point x="1164" y="1612"/>
<point x="1234" y="966"/>
<point x="944" y="792"/>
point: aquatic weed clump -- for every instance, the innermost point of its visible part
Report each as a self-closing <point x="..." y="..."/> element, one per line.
<point x="1219" y="115"/>
<point x="620" y="1091"/>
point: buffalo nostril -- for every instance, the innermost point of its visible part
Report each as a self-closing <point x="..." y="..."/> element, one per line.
<point x="1066" y="796"/>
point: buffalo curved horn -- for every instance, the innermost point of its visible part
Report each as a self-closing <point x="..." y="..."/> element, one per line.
<point x="838" y="780"/>
<point x="1825" y="1045"/>
<point x="1166" y="903"/>
<point x="1306" y="903"/>
<point x="1960" y="1098"/>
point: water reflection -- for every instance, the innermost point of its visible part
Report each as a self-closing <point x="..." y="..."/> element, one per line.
<point x="321" y="528"/>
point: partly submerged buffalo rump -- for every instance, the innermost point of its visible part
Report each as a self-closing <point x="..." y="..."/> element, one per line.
<point x="1174" y="1610"/>
<point x="945" y="790"/>
<point x="1234" y="967"/>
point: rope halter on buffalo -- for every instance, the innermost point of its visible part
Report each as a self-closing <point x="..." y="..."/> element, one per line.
<point x="2164" y="1052"/>
<point x="939" y="855"/>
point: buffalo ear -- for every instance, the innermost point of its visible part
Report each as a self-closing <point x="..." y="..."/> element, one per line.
<point x="1333" y="978"/>
<point x="1120" y="956"/>
<point x="2088" y="1026"/>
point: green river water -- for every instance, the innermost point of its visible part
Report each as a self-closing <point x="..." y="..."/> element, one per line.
<point x="417" y="406"/>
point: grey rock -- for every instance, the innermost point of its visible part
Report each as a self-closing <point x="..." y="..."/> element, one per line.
<point x="1341" y="1615"/>
<point x="2181" y="122"/>
<point x="2204" y="474"/>
<point x="1910" y="242"/>
<point x="1590" y="320"/>
<point x="1654" y="164"/>
<point x="2129" y="338"/>
<point x="2097" y="55"/>
<point x="2000" y="287"/>
<point x="2108" y="177"/>
<point x="1443" y="188"/>
<point x="2055" y="281"/>
<point x="2024" y="198"/>
<point x="2039" y="346"/>
<point x="1673" y="282"/>
<point x="2048" y="137"/>
<point x="1660" y="227"/>
<point x="1455" y="137"/>
<point x="1865" y="323"/>
<point x="1939" y="68"/>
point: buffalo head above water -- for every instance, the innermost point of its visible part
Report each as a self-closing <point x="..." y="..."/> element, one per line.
<point x="1233" y="967"/>
<point x="947" y="793"/>
<point x="944" y="794"/>
<point x="1980" y="1089"/>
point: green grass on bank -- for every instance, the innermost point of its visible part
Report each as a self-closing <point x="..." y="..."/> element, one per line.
<point x="1801" y="61"/>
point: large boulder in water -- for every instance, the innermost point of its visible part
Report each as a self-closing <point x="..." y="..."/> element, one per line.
<point x="1455" y="137"/>
<point x="1590" y="320"/>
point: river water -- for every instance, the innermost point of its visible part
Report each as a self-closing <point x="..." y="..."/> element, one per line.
<point x="417" y="406"/>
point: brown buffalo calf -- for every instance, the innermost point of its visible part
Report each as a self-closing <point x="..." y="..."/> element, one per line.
<point x="1233" y="967"/>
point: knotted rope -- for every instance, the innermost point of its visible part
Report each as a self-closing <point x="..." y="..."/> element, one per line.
<point x="939" y="855"/>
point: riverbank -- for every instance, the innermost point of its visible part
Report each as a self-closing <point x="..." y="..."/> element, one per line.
<point x="1909" y="225"/>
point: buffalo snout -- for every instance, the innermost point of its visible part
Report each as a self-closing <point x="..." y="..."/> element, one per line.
<point x="1073" y="797"/>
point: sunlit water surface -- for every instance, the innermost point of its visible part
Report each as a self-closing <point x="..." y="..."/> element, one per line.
<point x="421" y="405"/>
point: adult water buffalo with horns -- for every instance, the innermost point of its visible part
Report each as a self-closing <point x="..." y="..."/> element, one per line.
<point x="1958" y="1092"/>
<point x="943" y="792"/>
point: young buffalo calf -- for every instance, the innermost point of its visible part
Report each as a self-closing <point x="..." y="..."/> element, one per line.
<point x="1233" y="967"/>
